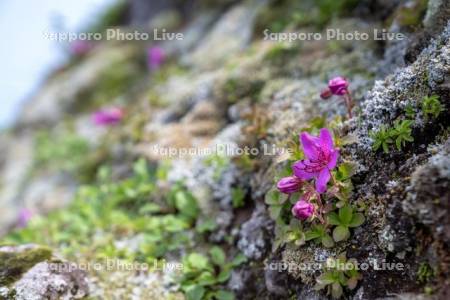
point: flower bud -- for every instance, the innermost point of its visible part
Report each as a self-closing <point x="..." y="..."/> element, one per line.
<point x="326" y="93"/>
<point x="303" y="209"/>
<point x="289" y="185"/>
<point x="338" y="86"/>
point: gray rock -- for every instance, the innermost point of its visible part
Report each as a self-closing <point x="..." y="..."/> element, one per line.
<point x="254" y="235"/>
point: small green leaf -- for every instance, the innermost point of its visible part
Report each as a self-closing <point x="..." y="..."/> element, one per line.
<point x="195" y="292"/>
<point x="340" y="233"/>
<point x="333" y="219"/>
<point x="224" y="295"/>
<point x="326" y="278"/>
<point x="186" y="204"/>
<point x="345" y="214"/>
<point x="357" y="220"/>
<point x="224" y="275"/>
<point x="238" y="260"/>
<point x="310" y="235"/>
<point x="336" y="290"/>
<point x="198" y="261"/>
<point x="274" y="211"/>
<point x="327" y="241"/>
<point x="206" y="278"/>
<point x="217" y="256"/>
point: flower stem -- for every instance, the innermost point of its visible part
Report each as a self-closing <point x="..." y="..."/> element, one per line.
<point x="349" y="103"/>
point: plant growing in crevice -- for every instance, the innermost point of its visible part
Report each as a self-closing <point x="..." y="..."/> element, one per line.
<point x="431" y="107"/>
<point x="203" y="275"/>
<point x="340" y="273"/>
<point x="399" y="134"/>
<point x="321" y="187"/>
<point x="345" y="219"/>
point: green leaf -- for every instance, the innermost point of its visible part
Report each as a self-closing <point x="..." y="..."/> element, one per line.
<point x="186" y="204"/>
<point x="224" y="275"/>
<point x="195" y="292"/>
<point x="357" y="220"/>
<point x="345" y="214"/>
<point x="198" y="261"/>
<point x="274" y="211"/>
<point x="326" y="278"/>
<point x="237" y="197"/>
<point x="336" y="290"/>
<point x="333" y="219"/>
<point x="224" y="295"/>
<point x="327" y="241"/>
<point x="310" y="235"/>
<point x="217" y="256"/>
<point x="340" y="233"/>
<point x="206" y="278"/>
<point x="238" y="260"/>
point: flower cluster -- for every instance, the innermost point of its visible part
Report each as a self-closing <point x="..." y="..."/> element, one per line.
<point x="320" y="158"/>
<point x="339" y="86"/>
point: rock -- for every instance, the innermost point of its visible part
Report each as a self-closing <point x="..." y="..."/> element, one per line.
<point x="255" y="233"/>
<point x="30" y="272"/>
<point x="18" y="160"/>
<point x="429" y="192"/>
<point x="230" y="34"/>
<point x="65" y="91"/>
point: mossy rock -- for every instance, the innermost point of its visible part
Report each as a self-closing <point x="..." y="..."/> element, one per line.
<point x="16" y="260"/>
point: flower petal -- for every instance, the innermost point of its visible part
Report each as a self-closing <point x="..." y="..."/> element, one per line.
<point x="298" y="169"/>
<point x="310" y="144"/>
<point x="326" y="140"/>
<point x="322" y="180"/>
<point x="334" y="155"/>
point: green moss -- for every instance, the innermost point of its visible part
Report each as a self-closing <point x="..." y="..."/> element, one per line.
<point x="14" y="264"/>
<point x="280" y="14"/>
<point x="412" y="15"/>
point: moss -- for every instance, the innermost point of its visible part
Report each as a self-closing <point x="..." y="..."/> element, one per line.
<point x="13" y="264"/>
<point x="235" y="89"/>
<point x="412" y="15"/>
<point x="280" y="14"/>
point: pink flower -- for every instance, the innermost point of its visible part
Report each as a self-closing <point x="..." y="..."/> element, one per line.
<point x="321" y="158"/>
<point x="289" y="185"/>
<point x="80" y="47"/>
<point x="338" y="86"/>
<point x="155" y="57"/>
<point x="110" y="116"/>
<point x="24" y="217"/>
<point x="303" y="209"/>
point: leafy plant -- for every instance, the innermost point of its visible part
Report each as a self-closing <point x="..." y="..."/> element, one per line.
<point x="382" y="139"/>
<point x="345" y="219"/>
<point x="319" y="233"/>
<point x="203" y="274"/>
<point x="402" y="133"/>
<point x="410" y="111"/>
<point x="237" y="197"/>
<point x="341" y="273"/>
<point x="431" y="106"/>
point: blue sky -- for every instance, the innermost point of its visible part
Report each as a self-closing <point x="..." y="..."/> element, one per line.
<point x="26" y="57"/>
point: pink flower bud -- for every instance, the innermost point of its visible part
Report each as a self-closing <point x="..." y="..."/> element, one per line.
<point x="303" y="209"/>
<point x="338" y="86"/>
<point x="326" y="93"/>
<point x="289" y="185"/>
